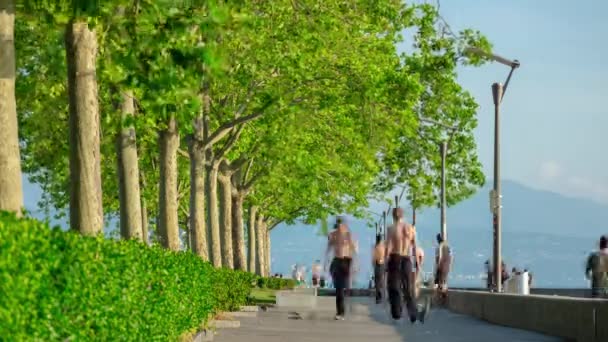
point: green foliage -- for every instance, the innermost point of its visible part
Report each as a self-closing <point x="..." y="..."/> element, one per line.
<point x="338" y="108"/>
<point x="57" y="285"/>
<point x="412" y="159"/>
<point x="276" y="283"/>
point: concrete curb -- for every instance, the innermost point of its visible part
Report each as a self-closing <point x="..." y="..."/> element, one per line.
<point x="223" y="324"/>
<point x="247" y="314"/>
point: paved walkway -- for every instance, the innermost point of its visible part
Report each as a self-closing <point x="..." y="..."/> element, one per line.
<point x="367" y="322"/>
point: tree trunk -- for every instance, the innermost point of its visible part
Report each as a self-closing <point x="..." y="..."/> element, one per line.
<point x="251" y="238"/>
<point x="268" y="258"/>
<point x="168" y="226"/>
<point x="144" y="221"/>
<point x="197" y="194"/>
<point x="86" y="211"/>
<point x="11" y="191"/>
<point x="260" y="254"/>
<point x="226" y="225"/>
<point x="238" y="232"/>
<point x="128" y="174"/>
<point x="212" y="209"/>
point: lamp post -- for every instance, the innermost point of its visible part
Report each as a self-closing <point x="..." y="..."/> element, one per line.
<point x="498" y="93"/>
<point x="378" y="227"/>
<point x="444" y="227"/>
<point x="443" y="150"/>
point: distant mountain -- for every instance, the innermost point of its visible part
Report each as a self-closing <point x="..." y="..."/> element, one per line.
<point x="524" y="210"/>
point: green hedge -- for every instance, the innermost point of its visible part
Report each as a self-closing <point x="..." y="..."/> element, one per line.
<point x="276" y="283"/>
<point x="56" y="285"/>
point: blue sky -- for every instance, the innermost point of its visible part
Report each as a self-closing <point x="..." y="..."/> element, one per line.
<point x="553" y="118"/>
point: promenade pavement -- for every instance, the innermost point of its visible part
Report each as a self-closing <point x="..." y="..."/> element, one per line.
<point x="366" y="321"/>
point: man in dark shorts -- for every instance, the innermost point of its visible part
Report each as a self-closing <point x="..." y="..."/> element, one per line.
<point x="401" y="282"/>
<point x="379" y="254"/>
<point x="340" y="242"/>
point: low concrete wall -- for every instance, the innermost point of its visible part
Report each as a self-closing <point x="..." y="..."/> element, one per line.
<point x="571" y="318"/>
<point x="579" y="293"/>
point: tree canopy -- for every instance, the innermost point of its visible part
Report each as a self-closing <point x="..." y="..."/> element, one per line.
<point x="311" y="101"/>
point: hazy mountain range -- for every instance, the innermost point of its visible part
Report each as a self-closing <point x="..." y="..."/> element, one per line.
<point x="546" y="232"/>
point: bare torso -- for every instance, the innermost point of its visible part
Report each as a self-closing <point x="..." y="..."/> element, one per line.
<point x="316" y="270"/>
<point x="401" y="239"/>
<point x="379" y="253"/>
<point x="341" y="243"/>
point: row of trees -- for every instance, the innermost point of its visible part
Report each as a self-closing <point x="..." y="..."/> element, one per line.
<point x="208" y="117"/>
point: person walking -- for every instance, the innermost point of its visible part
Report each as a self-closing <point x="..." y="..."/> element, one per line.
<point x="597" y="270"/>
<point x="401" y="250"/>
<point x="341" y="244"/>
<point x="379" y="254"/>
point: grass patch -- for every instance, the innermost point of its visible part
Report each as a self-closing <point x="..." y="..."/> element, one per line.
<point x="262" y="296"/>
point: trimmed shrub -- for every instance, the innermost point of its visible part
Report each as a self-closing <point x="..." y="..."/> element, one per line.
<point x="276" y="283"/>
<point x="57" y="285"/>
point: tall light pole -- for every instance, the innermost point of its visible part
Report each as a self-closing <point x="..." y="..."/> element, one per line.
<point x="498" y="93"/>
<point x="443" y="147"/>
<point x="443" y="150"/>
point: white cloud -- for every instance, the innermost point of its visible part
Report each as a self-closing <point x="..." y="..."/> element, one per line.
<point x="553" y="176"/>
<point x="587" y="187"/>
<point x="549" y="170"/>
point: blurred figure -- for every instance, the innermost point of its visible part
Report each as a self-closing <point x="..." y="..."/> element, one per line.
<point x="443" y="262"/>
<point x="489" y="275"/>
<point x="340" y="243"/>
<point x="418" y="269"/>
<point x="504" y="274"/>
<point x="401" y="256"/>
<point x="317" y="270"/>
<point x="379" y="254"/>
<point x="597" y="270"/>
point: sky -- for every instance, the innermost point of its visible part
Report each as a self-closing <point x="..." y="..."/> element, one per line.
<point x="553" y="116"/>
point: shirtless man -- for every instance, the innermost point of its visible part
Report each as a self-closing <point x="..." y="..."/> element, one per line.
<point x="317" y="269"/>
<point x="401" y="252"/>
<point x="340" y="243"/>
<point x="379" y="255"/>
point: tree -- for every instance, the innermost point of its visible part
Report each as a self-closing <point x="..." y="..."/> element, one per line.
<point x="131" y="215"/>
<point x="11" y="192"/>
<point x="86" y="211"/>
<point x="413" y="158"/>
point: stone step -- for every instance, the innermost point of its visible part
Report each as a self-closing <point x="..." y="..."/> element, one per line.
<point x="247" y="314"/>
<point x="250" y="308"/>
<point x="203" y="336"/>
<point x="224" y="324"/>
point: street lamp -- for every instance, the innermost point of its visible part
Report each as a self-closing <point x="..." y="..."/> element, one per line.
<point x="378" y="228"/>
<point x="498" y="93"/>
<point x="443" y="149"/>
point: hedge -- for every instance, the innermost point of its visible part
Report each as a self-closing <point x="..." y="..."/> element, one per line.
<point x="57" y="285"/>
<point x="276" y="283"/>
